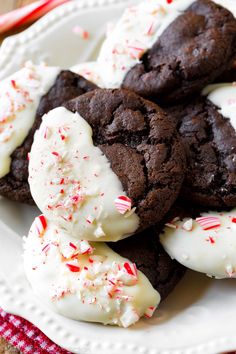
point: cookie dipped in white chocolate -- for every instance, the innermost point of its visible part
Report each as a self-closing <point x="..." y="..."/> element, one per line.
<point x="84" y="281"/>
<point x="20" y="94"/>
<point x="223" y="96"/>
<point x="132" y="36"/>
<point x="206" y="244"/>
<point x="136" y="31"/>
<point x="73" y="184"/>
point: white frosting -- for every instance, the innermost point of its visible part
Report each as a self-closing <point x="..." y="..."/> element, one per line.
<point x="206" y="245"/>
<point x="73" y="184"/>
<point x="137" y="30"/>
<point x="20" y="94"/>
<point x="224" y="97"/>
<point x="83" y="281"/>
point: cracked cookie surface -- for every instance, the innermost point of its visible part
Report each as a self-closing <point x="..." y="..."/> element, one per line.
<point x="142" y="145"/>
<point x="210" y="145"/>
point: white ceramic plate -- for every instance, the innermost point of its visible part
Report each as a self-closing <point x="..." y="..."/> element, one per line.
<point x="198" y="317"/>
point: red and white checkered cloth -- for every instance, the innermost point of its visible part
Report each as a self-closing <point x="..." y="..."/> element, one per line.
<point x="26" y="337"/>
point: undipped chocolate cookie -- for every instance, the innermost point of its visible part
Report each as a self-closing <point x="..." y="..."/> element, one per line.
<point x="208" y="129"/>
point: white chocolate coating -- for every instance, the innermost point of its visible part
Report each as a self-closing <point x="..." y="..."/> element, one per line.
<point x="83" y="281"/>
<point x="224" y="97"/>
<point x="20" y="94"/>
<point x="90" y="71"/>
<point x="204" y="245"/>
<point x="72" y="182"/>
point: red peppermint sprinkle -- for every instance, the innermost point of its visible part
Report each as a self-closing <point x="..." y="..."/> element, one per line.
<point x="81" y="32"/>
<point x="45" y="132"/>
<point x="169" y="1"/>
<point x="73" y="268"/>
<point x="123" y="204"/>
<point x="90" y="219"/>
<point x="208" y="222"/>
<point x="150" y="30"/>
<point x="135" y="52"/>
<point x="85" y="35"/>
<point x="233" y="220"/>
<point x="74" y="256"/>
<point x="139" y="49"/>
<point x="55" y="153"/>
<point x="46" y="248"/>
<point x="72" y="245"/>
<point x="211" y="240"/>
<point x="62" y="133"/>
<point x="110" y="281"/>
<point x="13" y="84"/>
<point x="150" y="311"/>
<point x="131" y="269"/>
<point x="40" y="224"/>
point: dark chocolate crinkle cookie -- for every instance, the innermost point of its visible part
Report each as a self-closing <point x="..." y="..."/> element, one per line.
<point x="210" y="145"/>
<point x="147" y="253"/>
<point x="15" y="184"/>
<point x="229" y="75"/>
<point x="194" y="50"/>
<point x="142" y="145"/>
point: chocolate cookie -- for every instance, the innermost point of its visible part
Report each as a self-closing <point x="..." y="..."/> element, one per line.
<point x="229" y="75"/>
<point x="209" y="138"/>
<point x="193" y="51"/>
<point x="142" y="145"/>
<point x="15" y="184"/>
<point x="151" y="259"/>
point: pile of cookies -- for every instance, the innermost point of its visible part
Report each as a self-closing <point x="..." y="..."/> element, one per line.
<point x="131" y="160"/>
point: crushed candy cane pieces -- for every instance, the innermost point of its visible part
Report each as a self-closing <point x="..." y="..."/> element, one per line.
<point x="131" y="269"/>
<point x="123" y="204"/>
<point x="208" y="222"/>
<point x="73" y="268"/>
<point x="188" y="225"/>
<point x="40" y="224"/>
<point x="150" y="311"/>
<point x="81" y="32"/>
